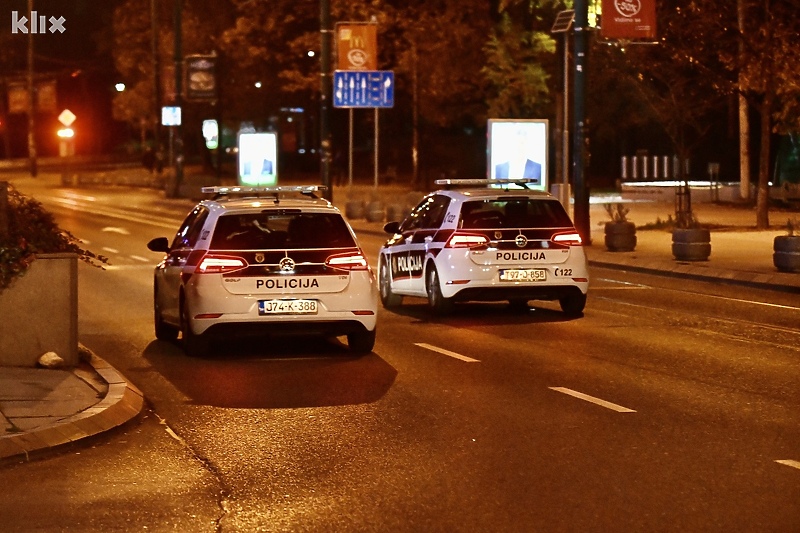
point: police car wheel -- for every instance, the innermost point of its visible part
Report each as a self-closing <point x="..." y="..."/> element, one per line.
<point x="361" y="342"/>
<point x="193" y="345"/>
<point x="436" y="301"/>
<point x="388" y="298"/>
<point x="164" y="331"/>
<point x="573" y="304"/>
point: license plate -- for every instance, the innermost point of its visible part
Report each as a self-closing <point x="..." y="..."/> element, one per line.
<point x="523" y="274"/>
<point x="287" y="307"/>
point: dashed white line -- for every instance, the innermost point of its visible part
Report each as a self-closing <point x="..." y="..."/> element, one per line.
<point x="110" y="250"/>
<point x="446" y="352"/>
<point x="789" y="462"/>
<point x="592" y="399"/>
<point x="141" y="259"/>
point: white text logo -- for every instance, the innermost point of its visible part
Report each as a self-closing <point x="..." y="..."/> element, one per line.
<point x="38" y="23"/>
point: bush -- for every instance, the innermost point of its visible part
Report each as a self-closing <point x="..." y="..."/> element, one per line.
<point x="30" y="231"/>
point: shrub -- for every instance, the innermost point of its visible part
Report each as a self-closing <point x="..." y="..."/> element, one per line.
<point x="31" y="230"/>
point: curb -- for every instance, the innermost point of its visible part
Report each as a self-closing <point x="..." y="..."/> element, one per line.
<point x="122" y="402"/>
<point x="776" y="282"/>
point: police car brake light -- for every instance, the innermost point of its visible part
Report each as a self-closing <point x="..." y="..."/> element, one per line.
<point x="570" y="238"/>
<point x="351" y="261"/>
<point x="219" y="264"/>
<point x="466" y="240"/>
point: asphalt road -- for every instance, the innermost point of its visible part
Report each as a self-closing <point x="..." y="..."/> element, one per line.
<point x="671" y="405"/>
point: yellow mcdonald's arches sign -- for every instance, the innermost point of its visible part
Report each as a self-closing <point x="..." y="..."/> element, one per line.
<point x="357" y="46"/>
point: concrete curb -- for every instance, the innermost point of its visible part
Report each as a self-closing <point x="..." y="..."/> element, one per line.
<point x="122" y="402"/>
<point x="776" y="281"/>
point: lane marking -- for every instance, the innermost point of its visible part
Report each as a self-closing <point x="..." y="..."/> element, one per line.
<point x="789" y="462"/>
<point x="113" y="229"/>
<point x="592" y="399"/>
<point x="446" y="352"/>
<point x="140" y="259"/>
<point x="110" y="250"/>
<point x="740" y="300"/>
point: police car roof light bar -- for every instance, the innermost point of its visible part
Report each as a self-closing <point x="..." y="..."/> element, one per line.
<point x="275" y="191"/>
<point x="449" y="183"/>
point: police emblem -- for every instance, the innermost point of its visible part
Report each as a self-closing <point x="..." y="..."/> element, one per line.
<point x="259" y="257"/>
<point x="498" y="235"/>
<point x="286" y="264"/>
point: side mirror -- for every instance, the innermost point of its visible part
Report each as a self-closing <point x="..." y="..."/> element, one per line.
<point x="159" y="244"/>
<point x="392" y="228"/>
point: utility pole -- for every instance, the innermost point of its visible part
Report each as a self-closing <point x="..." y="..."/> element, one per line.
<point x="178" y="58"/>
<point x="31" y="100"/>
<point x="156" y="78"/>
<point x="325" y="95"/>
<point x="581" y="216"/>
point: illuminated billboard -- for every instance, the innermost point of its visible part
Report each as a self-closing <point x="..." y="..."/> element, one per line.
<point x="518" y="149"/>
<point x="258" y="159"/>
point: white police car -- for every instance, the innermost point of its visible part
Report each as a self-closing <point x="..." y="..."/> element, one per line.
<point x="263" y="260"/>
<point x="493" y="241"/>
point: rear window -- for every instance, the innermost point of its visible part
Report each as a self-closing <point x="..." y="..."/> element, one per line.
<point x="513" y="212"/>
<point x="281" y="229"/>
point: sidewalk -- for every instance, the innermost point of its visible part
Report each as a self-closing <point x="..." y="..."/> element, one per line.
<point x="41" y="409"/>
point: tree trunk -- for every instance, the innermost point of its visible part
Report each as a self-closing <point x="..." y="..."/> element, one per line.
<point x="762" y="202"/>
<point x="744" y="123"/>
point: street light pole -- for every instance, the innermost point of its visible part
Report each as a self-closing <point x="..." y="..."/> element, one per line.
<point x="178" y="59"/>
<point x="581" y="206"/>
<point x="325" y="94"/>
<point x="31" y="100"/>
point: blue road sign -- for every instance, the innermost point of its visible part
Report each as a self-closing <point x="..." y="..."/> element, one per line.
<point x="363" y="88"/>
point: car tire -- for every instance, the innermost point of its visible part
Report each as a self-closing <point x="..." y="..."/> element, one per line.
<point x="193" y="345"/>
<point x="164" y="331"/>
<point x="361" y="342"/>
<point x="436" y="301"/>
<point x="388" y="298"/>
<point x="573" y="304"/>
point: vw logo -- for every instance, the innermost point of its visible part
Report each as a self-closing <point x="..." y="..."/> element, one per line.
<point x="259" y="257"/>
<point x="286" y="264"/>
<point x="521" y="241"/>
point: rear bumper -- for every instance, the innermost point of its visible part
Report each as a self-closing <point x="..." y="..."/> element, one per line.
<point x="516" y="292"/>
<point x="223" y="330"/>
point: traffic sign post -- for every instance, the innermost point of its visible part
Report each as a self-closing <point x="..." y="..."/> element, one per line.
<point x="373" y="89"/>
<point x="363" y="88"/>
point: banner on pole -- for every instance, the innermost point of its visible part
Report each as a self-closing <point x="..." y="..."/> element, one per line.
<point x="628" y="19"/>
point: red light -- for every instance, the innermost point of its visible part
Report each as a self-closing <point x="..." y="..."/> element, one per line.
<point x="466" y="240"/>
<point x="570" y="238"/>
<point x="351" y="261"/>
<point x="220" y="264"/>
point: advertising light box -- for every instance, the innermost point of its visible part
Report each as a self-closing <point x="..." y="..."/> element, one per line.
<point x="258" y="159"/>
<point x="518" y="149"/>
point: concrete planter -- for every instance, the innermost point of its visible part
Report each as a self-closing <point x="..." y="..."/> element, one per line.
<point x="376" y="212"/>
<point x="786" y="256"/>
<point x="620" y="236"/>
<point x="691" y="244"/>
<point x="40" y="312"/>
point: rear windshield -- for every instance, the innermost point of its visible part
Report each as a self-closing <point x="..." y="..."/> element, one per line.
<point x="284" y="230"/>
<point x="513" y="212"/>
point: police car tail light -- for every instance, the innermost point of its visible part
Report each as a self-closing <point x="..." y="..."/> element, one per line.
<point x="352" y="261"/>
<point x="467" y="240"/>
<point x="570" y="238"/>
<point x="219" y="264"/>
